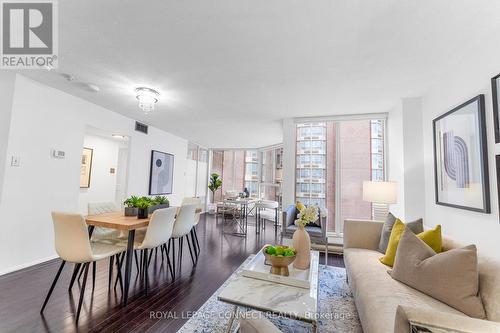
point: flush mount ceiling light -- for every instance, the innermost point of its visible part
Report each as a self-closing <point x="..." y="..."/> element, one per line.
<point x="147" y="98"/>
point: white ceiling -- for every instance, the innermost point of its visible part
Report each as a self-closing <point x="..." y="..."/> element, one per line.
<point x="229" y="71"/>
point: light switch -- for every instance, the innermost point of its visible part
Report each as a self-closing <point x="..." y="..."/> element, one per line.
<point x="15" y="161"/>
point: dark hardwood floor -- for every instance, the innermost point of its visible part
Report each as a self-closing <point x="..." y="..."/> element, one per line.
<point x="22" y="292"/>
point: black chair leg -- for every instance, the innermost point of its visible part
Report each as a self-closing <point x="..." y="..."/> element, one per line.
<point x="110" y="273"/>
<point x="82" y="292"/>
<point x="167" y="253"/>
<point x="73" y="277"/>
<point x="151" y="255"/>
<point x="181" y="243"/>
<point x="53" y="285"/>
<point x="119" y="264"/>
<point x="196" y="238"/>
<point x="190" y="251"/>
<point x="81" y="273"/>
<point x="173" y="253"/>
<point x="136" y="261"/>
<point x="93" y="274"/>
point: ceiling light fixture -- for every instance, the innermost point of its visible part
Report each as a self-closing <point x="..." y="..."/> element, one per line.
<point x="147" y="98"/>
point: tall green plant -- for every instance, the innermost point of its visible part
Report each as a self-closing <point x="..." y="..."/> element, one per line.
<point x="214" y="184"/>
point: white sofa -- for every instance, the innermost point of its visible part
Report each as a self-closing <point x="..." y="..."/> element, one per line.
<point x="386" y="305"/>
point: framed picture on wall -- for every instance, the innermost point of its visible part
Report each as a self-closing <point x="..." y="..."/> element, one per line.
<point x="86" y="167"/>
<point x="161" y="173"/>
<point x="497" y="160"/>
<point x="461" y="157"/>
<point x="495" y="93"/>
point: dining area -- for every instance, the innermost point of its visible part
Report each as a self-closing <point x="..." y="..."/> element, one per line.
<point x="107" y="234"/>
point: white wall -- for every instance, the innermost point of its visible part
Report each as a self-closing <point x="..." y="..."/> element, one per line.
<point x="44" y="118"/>
<point x="102" y="182"/>
<point x="395" y="156"/>
<point x="289" y="142"/>
<point x="470" y="78"/>
<point x="7" y="81"/>
<point x="405" y="158"/>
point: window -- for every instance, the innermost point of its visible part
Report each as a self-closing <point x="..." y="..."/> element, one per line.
<point x="332" y="161"/>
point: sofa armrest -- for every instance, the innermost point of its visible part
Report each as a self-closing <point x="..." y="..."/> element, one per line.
<point x="362" y="234"/>
<point x="436" y="321"/>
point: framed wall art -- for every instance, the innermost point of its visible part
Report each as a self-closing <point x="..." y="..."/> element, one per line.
<point x="461" y="157"/>
<point x="86" y="167"/>
<point x="161" y="173"/>
<point x="495" y="93"/>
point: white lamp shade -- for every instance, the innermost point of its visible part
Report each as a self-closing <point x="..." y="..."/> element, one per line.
<point x="380" y="192"/>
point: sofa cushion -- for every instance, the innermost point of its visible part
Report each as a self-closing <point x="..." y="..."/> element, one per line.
<point x="416" y="226"/>
<point x="451" y="277"/>
<point x="431" y="236"/>
<point x="377" y="295"/>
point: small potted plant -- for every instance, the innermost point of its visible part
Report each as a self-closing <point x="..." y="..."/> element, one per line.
<point x="159" y="202"/>
<point x="213" y="185"/>
<point x="143" y="205"/>
<point x="131" y="206"/>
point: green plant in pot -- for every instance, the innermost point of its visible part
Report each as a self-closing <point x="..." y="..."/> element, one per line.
<point x="131" y="206"/>
<point x="214" y="184"/>
<point x="159" y="202"/>
<point x="143" y="205"/>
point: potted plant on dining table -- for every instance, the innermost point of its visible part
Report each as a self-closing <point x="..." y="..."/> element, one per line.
<point x="158" y="202"/>
<point x="143" y="205"/>
<point x="131" y="206"/>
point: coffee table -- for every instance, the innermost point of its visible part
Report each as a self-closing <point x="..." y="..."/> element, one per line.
<point x="275" y="298"/>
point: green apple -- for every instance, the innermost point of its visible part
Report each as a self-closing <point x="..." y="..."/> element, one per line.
<point x="271" y="250"/>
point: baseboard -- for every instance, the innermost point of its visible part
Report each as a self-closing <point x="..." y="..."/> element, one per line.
<point x="23" y="266"/>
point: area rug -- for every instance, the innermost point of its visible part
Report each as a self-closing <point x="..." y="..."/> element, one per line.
<point x="336" y="306"/>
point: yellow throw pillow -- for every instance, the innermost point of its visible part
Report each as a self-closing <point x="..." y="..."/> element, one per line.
<point x="430" y="237"/>
<point x="390" y="253"/>
<point x="299" y="205"/>
<point x="433" y="238"/>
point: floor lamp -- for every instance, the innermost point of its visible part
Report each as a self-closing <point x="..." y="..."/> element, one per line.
<point x="381" y="195"/>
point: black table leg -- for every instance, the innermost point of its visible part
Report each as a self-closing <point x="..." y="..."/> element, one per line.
<point x="128" y="264"/>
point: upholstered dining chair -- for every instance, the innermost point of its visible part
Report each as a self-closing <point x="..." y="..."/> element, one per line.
<point x="267" y="210"/>
<point x="194" y="234"/>
<point x="184" y="222"/>
<point x="73" y="245"/>
<point x="105" y="234"/>
<point x="158" y="233"/>
<point x="101" y="233"/>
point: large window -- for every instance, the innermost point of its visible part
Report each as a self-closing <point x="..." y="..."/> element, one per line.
<point x="197" y="172"/>
<point x="332" y="161"/>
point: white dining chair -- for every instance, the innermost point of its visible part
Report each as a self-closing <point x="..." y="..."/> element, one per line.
<point x="73" y="245"/>
<point x="105" y="234"/>
<point x="158" y="233"/>
<point x="184" y="222"/>
<point x="101" y="233"/>
<point x="267" y="210"/>
<point x="194" y="234"/>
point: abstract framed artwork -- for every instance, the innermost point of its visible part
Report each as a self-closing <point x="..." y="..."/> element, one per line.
<point x="497" y="160"/>
<point x="86" y="167"/>
<point x="495" y="93"/>
<point x="161" y="173"/>
<point x="461" y="157"/>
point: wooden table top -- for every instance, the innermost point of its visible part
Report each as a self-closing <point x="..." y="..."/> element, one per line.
<point x="116" y="220"/>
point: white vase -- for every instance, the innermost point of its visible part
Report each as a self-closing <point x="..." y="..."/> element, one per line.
<point x="302" y="244"/>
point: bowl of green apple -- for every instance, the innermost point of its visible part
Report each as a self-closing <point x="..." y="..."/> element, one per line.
<point x="280" y="257"/>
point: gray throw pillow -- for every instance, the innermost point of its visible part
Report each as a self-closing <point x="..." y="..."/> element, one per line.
<point x="451" y="276"/>
<point x="416" y="226"/>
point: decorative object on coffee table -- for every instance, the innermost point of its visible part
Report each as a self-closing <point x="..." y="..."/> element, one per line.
<point x="461" y="157"/>
<point x="301" y="239"/>
<point x="279" y="257"/>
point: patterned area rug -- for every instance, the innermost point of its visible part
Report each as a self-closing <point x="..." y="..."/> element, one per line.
<point x="336" y="306"/>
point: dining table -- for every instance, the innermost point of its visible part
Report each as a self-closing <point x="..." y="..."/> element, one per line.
<point x="129" y="224"/>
